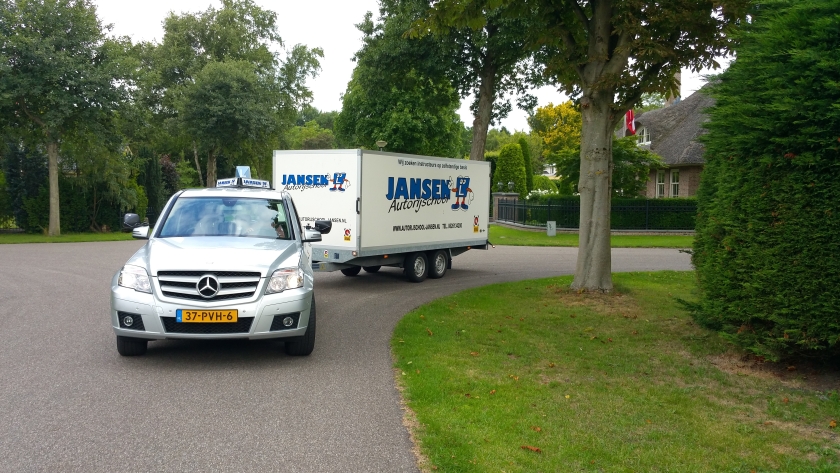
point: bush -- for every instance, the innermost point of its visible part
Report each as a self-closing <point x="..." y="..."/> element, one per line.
<point x="526" y="158"/>
<point x="77" y="210"/>
<point x="510" y="167"/>
<point x="768" y="227"/>
<point x="544" y="183"/>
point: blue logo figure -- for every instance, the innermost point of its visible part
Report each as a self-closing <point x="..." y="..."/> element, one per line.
<point x="462" y="191"/>
<point x="338" y="180"/>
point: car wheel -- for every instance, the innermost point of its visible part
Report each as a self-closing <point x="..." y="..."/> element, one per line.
<point x="352" y="271"/>
<point x="128" y="346"/>
<point x="303" y="346"/>
<point x="417" y="267"/>
<point x="372" y="269"/>
<point x="438" y="264"/>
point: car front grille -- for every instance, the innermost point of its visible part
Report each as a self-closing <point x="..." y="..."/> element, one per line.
<point x="232" y="284"/>
<point x="243" y="325"/>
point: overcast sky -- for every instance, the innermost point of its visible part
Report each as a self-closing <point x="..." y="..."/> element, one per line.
<point x="328" y="24"/>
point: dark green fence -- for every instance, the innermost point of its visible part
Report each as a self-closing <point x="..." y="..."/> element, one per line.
<point x="627" y="214"/>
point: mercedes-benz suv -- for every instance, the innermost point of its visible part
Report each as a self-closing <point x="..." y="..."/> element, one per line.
<point x="226" y="262"/>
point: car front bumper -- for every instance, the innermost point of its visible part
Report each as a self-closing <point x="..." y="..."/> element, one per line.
<point x="157" y="316"/>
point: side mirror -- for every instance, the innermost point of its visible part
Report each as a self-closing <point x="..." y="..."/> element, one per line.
<point x="130" y="221"/>
<point x="141" y="233"/>
<point x="310" y="235"/>
<point x="323" y="226"/>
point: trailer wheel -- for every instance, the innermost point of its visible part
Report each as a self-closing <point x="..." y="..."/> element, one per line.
<point x="351" y="271"/>
<point x="417" y="267"/>
<point x="372" y="269"/>
<point x="438" y="265"/>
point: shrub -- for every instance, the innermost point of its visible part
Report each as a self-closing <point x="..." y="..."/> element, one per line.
<point x="544" y="183"/>
<point x="510" y="167"/>
<point x="526" y="157"/>
<point x="768" y="226"/>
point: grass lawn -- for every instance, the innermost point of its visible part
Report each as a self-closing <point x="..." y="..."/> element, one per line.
<point x="500" y="235"/>
<point x="531" y="377"/>
<point x="64" y="238"/>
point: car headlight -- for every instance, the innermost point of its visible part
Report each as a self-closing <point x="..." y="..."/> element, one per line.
<point x="135" y="277"/>
<point x="285" y="278"/>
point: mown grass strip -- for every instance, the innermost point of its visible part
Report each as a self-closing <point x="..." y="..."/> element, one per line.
<point x="9" y="238"/>
<point x="529" y="377"/>
<point x="507" y="236"/>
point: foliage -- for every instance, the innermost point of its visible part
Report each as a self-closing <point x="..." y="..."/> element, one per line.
<point x="510" y="167"/>
<point x="399" y="93"/>
<point x="768" y="230"/>
<point x="605" y="55"/>
<point x="60" y="76"/>
<point x="240" y="44"/>
<point x="187" y="175"/>
<point x="626" y="213"/>
<point x="488" y="60"/>
<point x="544" y="183"/>
<point x="25" y="171"/>
<point x="83" y="208"/>
<point x="310" y="136"/>
<point x="170" y="176"/>
<point x="631" y="171"/>
<point x="152" y="182"/>
<point x="529" y="170"/>
<point x="558" y="126"/>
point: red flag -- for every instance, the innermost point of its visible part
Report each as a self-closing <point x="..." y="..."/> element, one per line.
<point x="630" y="121"/>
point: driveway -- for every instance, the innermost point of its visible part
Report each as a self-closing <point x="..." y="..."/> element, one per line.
<point x="69" y="402"/>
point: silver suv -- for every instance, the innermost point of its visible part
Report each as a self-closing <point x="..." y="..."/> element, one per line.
<point x="228" y="262"/>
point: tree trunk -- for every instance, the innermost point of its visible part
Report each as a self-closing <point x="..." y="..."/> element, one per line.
<point x="594" y="264"/>
<point x="486" y="98"/>
<point x="55" y="220"/>
<point x="197" y="165"/>
<point x="211" y="169"/>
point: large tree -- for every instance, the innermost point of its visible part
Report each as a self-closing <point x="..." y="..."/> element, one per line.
<point x="238" y="32"/>
<point x="400" y="92"/>
<point x="606" y="54"/>
<point x="58" y="76"/>
<point x="489" y="59"/>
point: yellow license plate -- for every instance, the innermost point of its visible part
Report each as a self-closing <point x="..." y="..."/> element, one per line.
<point x="207" y="316"/>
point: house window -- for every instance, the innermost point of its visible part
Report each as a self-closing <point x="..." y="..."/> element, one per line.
<point x="675" y="183"/>
<point x="660" y="184"/>
<point x="643" y="136"/>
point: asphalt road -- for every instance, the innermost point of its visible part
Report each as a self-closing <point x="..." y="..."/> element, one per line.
<point x="69" y="402"/>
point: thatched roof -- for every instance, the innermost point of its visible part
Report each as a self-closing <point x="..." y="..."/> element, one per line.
<point x="674" y="130"/>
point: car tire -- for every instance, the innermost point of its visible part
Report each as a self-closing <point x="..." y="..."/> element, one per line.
<point x="416" y="267"/>
<point x="128" y="346"/>
<point x="438" y="263"/>
<point x="352" y="271"/>
<point x="372" y="269"/>
<point x="303" y="346"/>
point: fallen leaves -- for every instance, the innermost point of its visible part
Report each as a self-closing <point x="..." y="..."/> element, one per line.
<point x="791" y="368"/>
<point x="785" y="400"/>
<point x="533" y="449"/>
<point x="536" y="429"/>
<point x="832" y="424"/>
<point x="474" y="353"/>
<point x="492" y="391"/>
<point x="568" y="397"/>
<point x="515" y="378"/>
<point x="430" y="332"/>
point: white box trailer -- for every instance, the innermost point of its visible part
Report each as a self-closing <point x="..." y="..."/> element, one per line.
<point x="388" y="209"/>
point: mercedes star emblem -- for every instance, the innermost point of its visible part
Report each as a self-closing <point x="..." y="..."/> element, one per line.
<point x="207" y="286"/>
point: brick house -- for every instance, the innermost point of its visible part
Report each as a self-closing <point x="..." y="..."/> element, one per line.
<point x="671" y="132"/>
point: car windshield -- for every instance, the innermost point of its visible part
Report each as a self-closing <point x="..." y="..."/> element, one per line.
<point x="226" y="216"/>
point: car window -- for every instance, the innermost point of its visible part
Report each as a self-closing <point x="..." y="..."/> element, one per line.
<point x="225" y="216"/>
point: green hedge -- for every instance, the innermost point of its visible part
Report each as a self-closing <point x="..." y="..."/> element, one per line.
<point x="627" y="214"/>
<point x="77" y="213"/>
<point x="767" y="250"/>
